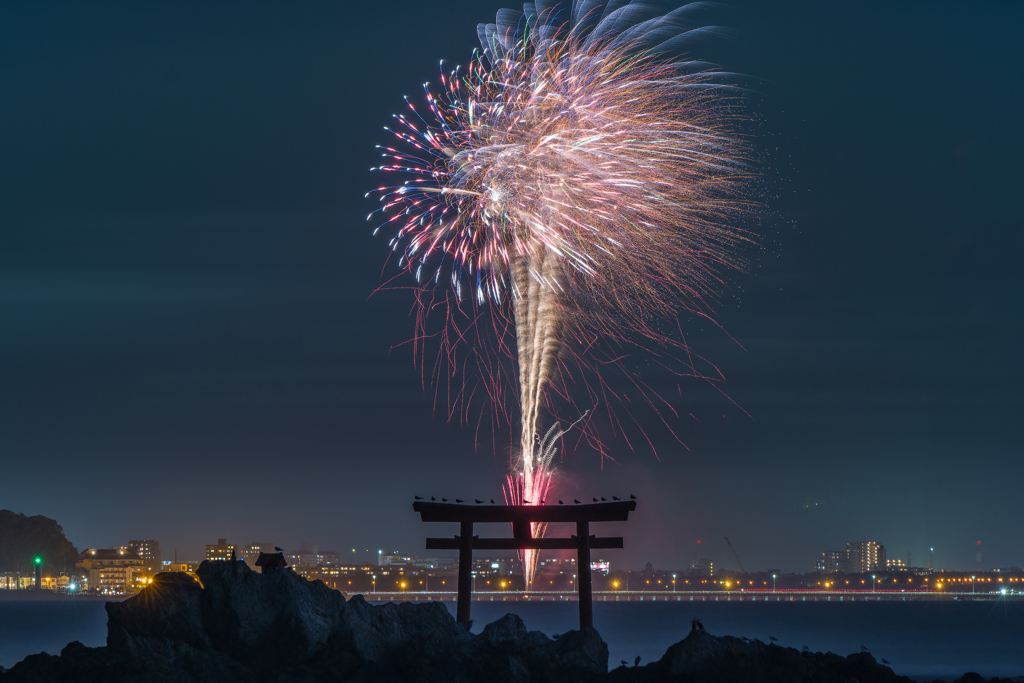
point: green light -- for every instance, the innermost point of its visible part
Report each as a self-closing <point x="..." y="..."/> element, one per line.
<point x="39" y="560"/>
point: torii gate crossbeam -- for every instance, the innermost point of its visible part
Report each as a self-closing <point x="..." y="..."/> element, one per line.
<point x="520" y="517"/>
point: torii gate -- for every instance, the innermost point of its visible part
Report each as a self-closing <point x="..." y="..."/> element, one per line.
<point x="520" y="517"/>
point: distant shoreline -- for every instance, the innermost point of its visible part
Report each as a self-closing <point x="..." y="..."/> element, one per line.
<point x="54" y="596"/>
<point x="602" y="596"/>
<point x="694" y="596"/>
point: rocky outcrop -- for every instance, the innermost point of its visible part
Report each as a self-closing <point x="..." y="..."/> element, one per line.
<point x="238" y="625"/>
<point x="703" y="658"/>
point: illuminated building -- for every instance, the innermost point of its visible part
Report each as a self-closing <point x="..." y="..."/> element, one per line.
<point x="864" y="556"/>
<point x="303" y="557"/>
<point x="440" y="563"/>
<point x="149" y="551"/>
<point x="220" y="551"/>
<point x="109" y="570"/>
<point x="251" y="552"/>
<point x="560" y="563"/>
<point x="702" y="568"/>
<point x="501" y="565"/>
<point x="859" y="557"/>
<point x="329" y="557"/>
<point x="395" y="560"/>
<point x="831" y="561"/>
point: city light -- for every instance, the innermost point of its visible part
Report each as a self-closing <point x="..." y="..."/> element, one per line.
<point x="411" y="575"/>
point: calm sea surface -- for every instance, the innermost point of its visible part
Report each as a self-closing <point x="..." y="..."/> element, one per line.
<point x="923" y="640"/>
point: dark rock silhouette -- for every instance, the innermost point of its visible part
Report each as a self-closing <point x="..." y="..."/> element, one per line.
<point x="239" y="625"/>
<point x="704" y="658"/>
<point x="971" y="677"/>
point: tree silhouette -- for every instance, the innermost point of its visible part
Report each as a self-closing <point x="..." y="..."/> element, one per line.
<point x="24" y="538"/>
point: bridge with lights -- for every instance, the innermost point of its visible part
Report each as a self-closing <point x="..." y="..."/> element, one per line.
<point x="696" y="596"/>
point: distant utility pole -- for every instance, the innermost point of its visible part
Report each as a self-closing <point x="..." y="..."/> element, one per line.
<point x="931" y="559"/>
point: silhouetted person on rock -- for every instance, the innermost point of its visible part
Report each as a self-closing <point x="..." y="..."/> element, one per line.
<point x="700" y="626"/>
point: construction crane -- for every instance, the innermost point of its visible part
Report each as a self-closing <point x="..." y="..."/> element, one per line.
<point x="735" y="555"/>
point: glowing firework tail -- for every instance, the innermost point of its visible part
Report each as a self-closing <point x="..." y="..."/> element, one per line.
<point x="577" y="178"/>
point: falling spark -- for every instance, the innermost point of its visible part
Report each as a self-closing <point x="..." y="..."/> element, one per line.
<point x="576" y="184"/>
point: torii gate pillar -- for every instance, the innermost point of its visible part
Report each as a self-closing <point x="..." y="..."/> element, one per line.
<point x="465" y="571"/>
<point x="521" y="518"/>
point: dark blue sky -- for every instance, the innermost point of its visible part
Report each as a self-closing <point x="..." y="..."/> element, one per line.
<point x="185" y="274"/>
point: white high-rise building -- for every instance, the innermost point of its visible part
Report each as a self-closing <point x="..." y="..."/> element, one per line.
<point x="864" y="556"/>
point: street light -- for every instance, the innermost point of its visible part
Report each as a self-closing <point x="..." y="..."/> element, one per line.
<point x="374" y="582"/>
<point x="872" y="583"/>
<point x="773" y="583"/>
<point x="673" y="583"/>
<point x="972" y="584"/>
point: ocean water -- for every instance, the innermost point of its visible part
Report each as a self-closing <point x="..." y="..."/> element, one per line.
<point x="922" y="640"/>
<point x="31" y="626"/>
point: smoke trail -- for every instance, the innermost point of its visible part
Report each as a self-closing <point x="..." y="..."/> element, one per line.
<point x="536" y="317"/>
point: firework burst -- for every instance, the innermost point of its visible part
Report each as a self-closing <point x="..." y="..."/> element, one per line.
<point x="575" y="187"/>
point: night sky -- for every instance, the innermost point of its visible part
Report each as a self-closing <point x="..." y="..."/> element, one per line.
<point x="190" y="349"/>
